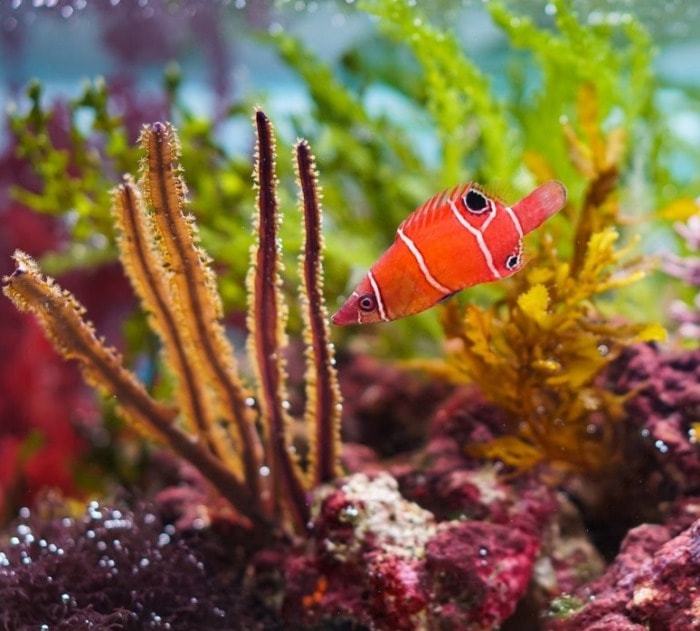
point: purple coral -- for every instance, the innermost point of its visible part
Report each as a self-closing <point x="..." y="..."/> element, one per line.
<point x="688" y="269"/>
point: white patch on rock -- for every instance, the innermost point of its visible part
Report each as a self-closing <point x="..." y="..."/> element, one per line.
<point x="381" y="518"/>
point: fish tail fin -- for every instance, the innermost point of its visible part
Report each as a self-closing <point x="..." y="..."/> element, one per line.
<point x="540" y="205"/>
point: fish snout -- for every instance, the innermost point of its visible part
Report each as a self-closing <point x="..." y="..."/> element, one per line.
<point x="347" y="314"/>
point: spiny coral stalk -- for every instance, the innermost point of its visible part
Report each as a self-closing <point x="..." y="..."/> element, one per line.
<point x="61" y="317"/>
<point x="193" y="294"/>
<point x="322" y="393"/>
<point x="246" y="455"/>
<point x="266" y="322"/>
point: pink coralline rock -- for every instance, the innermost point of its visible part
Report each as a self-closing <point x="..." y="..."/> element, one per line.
<point x="386" y="408"/>
<point x="476" y="573"/>
<point x="666" y="387"/>
<point x="453" y="485"/>
<point x="384" y="562"/>
<point x="654" y="583"/>
<point x="668" y="594"/>
<point x="365" y="565"/>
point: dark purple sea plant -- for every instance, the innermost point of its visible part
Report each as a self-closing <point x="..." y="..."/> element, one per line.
<point x="118" y="568"/>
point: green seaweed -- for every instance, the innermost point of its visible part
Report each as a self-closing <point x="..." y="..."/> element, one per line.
<point x="564" y="606"/>
<point x="451" y="119"/>
<point x="79" y="147"/>
<point x="539" y="352"/>
<point x="470" y="123"/>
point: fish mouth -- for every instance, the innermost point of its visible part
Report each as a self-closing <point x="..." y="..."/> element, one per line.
<point x="347" y="314"/>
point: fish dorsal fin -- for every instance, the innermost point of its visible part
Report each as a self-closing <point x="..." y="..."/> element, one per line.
<point x="427" y="212"/>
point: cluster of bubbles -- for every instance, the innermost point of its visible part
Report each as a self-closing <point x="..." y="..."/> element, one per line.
<point x="106" y="550"/>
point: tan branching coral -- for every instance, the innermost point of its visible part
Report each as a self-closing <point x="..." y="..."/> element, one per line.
<point x="244" y="449"/>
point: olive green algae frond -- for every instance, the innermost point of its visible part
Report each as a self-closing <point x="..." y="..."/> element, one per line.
<point x="244" y="450"/>
<point x="538" y="353"/>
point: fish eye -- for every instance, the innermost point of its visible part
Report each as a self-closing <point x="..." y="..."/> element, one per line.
<point x="366" y="303"/>
<point x="475" y="201"/>
<point x="512" y="261"/>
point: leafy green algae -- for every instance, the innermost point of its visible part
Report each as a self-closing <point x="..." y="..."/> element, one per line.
<point x="376" y="169"/>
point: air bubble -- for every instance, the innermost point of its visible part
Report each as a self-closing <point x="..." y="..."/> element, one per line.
<point x="661" y="446"/>
<point x="275" y="28"/>
<point x="10" y="24"/>
<point x="264" y="471"/>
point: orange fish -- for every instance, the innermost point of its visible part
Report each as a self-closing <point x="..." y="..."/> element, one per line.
<point x="457" y="239"/>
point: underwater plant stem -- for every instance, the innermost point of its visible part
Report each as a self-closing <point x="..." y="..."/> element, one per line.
<point x="266" y="319"/>
<point x="322" y="411"/>
<point x="148" y="279"/>
<point x="197" y="292"/>
<point x="60" y="315"/>
<point x="592" y="218"/>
